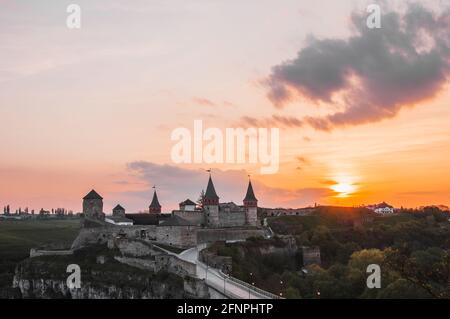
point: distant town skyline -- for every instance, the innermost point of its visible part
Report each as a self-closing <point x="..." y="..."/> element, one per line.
<point x="362" y="113"/>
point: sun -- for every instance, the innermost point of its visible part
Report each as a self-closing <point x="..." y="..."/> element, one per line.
<point x="343" y="189"/>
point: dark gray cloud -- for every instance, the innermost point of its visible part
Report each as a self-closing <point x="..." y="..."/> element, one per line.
<point x="376" y="72"/>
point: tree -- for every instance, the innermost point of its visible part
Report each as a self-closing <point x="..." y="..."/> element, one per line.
<point x="428" y="269"/>
<point x="201" y="198"/>
<point x="403" y="289"/>
<point x="361" y="259"/>
<point x="293" y="293"/>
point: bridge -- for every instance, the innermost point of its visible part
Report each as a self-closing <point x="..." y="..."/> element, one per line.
<point x="231" y="287"/>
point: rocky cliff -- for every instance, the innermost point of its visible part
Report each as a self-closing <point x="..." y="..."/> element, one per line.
<point x="46" y="276"/>
<point x="34" y="281"/>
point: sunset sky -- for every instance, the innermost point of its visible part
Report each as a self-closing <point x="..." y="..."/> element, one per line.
<point x="363" y="113"/>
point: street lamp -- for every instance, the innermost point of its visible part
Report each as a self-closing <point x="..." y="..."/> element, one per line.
<point x="281" y="287"/>
<point x="251" y="278"/>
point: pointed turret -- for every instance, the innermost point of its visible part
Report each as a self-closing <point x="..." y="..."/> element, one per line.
<point x="211" y="205"/>
<point x="211" y="197"/>
<point x="155" y="207"/>
<point x="250" y="196"/>
<point x="251" y="206"/>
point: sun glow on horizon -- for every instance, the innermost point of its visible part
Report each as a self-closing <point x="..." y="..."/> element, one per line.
<point x="343" y="189"/>
<point x="344" y="186"/>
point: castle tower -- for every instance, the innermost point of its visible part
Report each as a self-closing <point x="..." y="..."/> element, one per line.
<point x="155" y="207"/>
<point x="211" y="205"/>
<point x="251" y="206"/>
<point x="93" y="206"/>
<point x="119" y="211"/>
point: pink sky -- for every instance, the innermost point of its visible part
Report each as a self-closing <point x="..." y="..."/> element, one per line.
<point x="95" y="107"/>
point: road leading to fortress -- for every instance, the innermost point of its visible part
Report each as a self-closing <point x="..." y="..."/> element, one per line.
<point x="216" y="280"/>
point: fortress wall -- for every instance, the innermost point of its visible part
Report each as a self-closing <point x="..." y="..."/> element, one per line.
<point x="101" y="235"/>
<point x="134" y="248"/>
<point x="194" y="217"/>
<point x="231" y="219"/>
<point x="175" y="265"/>
<point x="139" y="231"/>
<point x="92" y="236"/>
<point x="178" y="236"/>
<point x="224" y="234"/>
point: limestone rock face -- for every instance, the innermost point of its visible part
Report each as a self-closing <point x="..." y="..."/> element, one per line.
<point x="51" y="289"/>
<point x="37" y="284"/>
<point x="45" y="278"/>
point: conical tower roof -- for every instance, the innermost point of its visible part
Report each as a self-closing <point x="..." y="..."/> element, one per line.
<point x="250" y="196"/>
<point x="155" y="201"/>
<point x="210" y="190"/>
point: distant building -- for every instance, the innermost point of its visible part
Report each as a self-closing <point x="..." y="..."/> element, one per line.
<point x="187" y="205"/>
<point x="119" y="220"/>
<point x="189" y="211"/>
<point x="119" y="211"/>
<point x="118" y="217"/>
<point x="382" y="208"/>
<point x="43" y="212"/>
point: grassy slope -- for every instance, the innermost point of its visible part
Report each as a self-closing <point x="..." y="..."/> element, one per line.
<point x="18" y="237"/>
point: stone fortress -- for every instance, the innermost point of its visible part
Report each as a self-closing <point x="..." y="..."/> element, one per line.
<point x="186" y="227"/>
<point x="215" y="214"/>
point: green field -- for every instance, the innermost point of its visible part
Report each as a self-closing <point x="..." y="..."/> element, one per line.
<point x="18" y="237"/>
